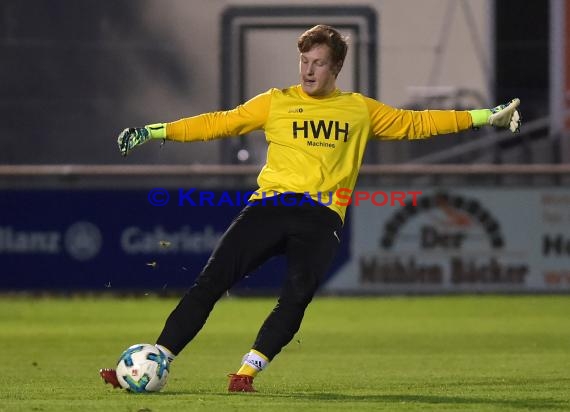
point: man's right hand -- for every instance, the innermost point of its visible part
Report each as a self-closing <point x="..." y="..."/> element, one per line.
<point x="131" y="138"/>
<point x="136" y="136"/>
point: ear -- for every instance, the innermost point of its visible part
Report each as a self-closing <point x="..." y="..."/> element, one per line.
<point x="337" y="67"/>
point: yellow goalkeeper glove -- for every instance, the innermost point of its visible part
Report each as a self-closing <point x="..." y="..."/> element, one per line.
<point x="136" y="136"/>
<point x="505" y="116"/>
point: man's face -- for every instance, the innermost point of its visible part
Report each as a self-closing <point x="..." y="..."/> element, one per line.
<point x="317" y="71"/>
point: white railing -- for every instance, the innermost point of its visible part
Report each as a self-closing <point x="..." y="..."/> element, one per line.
<point x="7" y="171"/>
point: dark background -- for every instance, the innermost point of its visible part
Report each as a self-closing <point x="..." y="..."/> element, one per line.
<point x="67" y="82"/>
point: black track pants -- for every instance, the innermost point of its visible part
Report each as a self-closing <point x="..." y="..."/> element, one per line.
<point x="308" y="234"/>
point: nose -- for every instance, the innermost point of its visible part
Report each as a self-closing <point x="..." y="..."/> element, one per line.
<point x="307" y="68"/>
<point x="310" y="68"/>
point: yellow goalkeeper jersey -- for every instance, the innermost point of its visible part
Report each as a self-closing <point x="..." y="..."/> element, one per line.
<point x="316" y="144"/>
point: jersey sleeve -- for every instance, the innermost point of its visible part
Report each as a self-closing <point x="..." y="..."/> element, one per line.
<point x="391" y="123"/>
<point x="245" y="118"/>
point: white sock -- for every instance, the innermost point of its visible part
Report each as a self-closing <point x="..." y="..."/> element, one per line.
<point x="255" y="360"/>
<point x="168" y="354"/>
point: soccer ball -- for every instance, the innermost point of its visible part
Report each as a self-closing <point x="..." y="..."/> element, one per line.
<point x="143" y="368"/>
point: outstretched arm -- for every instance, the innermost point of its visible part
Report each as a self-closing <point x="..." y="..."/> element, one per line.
<point x="241" y="120"/>
<point x="391" y="123"/>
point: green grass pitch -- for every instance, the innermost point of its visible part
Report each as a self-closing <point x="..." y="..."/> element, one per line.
<point x="455" y="353"/>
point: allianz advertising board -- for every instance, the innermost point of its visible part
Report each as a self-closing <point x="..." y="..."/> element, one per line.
<point x="120" y="240"/>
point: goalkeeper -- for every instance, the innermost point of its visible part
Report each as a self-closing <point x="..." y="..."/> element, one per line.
<point x="316" y="135"/>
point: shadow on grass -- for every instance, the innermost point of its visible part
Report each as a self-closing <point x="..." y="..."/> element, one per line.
<point x="449" y="400"/>
<point x="519" y="404"/>
<point x="512" y="395"/>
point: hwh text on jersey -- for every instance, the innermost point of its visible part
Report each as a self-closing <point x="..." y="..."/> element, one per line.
<point x="321" y="128"/>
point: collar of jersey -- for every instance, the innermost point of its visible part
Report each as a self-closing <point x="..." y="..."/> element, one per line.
<point x="334" y="93"/>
